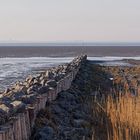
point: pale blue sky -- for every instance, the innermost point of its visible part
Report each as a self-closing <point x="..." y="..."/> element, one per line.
<point x="67" y="20"/>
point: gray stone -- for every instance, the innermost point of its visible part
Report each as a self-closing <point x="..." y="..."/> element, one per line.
<point x="35" y="81"/>
<point x="33" y="88"/>
<point x="17" y="106"/>
<point x="43" y="81"/>
<point x="30" y="80"/>
<point x="4" y="108"/>
<point x="52" y="83"/>
<point x="43" y="89"/>
<point x="6" y="90"/>
<point x="47" y="133"/>
<point x="49" y="74"/>
<point x="79" y="123"/>
<point x="66" y="96"/>
<point x="29" y="99"/>
<point x="18" y="95"/>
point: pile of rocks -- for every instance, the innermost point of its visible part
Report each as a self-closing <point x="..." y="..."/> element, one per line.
<point x="69" y="116"/>
<point x="46" y="85"/>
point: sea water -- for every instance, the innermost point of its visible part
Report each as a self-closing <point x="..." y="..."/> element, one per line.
<point x="13" y="69"/>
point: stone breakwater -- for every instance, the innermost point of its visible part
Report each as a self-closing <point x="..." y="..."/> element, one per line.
<point x="69" y="117"/>
<point x="20" y="104"/>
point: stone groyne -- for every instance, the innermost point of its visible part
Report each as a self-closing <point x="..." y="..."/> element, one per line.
<point x="20" y="104"/>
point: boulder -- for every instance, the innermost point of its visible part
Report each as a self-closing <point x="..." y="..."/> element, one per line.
<point x="35" y="81"/>
<point x="29" y="99"/>
<point x="16" y="103"/>
<point x="17" y="95"/>
<point x="43" y="89"/>
<point x="33" y="88"/>
<point x="18" y="86"/>
<point x="1" y="95"/>
<point x="51" y="83"/>
<point x="47" y="133"/>
<point x="4" y="108"/>
<point x="30" y="79"/>
<point x="17" y="106"/>
<point x="6" y="90"/>
<point x="79" y="123"/>
<point x="6" y="100"/>
<point x="49" y="74"/>
<point x="43" y="81"/>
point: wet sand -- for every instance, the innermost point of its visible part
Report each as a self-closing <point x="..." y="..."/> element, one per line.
<point x="62" y="51"/>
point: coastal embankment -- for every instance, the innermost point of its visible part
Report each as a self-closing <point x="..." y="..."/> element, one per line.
<point x="20" y="104"/>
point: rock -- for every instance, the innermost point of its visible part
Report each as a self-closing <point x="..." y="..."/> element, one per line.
<point x="6" y="100"/>
<point x="9" y="94"/>
<point x="1" y="95"/>
<point x="30" y="79"/>
<point x="18" y="95"/>
<point x="6" y="90"/>
<point x="29" y="99"/>
<point x="47" y="133"/>
<point x="18" y="86"/>
<point x="66" y="105"/>
<point x="3" y="116"/>
<point x="35" y="81"/>
<point x="52" y="83"/>
<point x="78" y="123"/>
<point x="43" y="89"/>
<point x="80" y="114"/>
<point x="33" y="88"/>
<point x="43" y="81"/>
<point x="41" y="77"/>
<point x="17" y="106"/>
<point x="26" y="84"/>
<point x="23" y="89"/>
<point x="66" y="96"/>
<point x="56" y="109"/>
<point x="49" y="74"/>
<point x="4" y="108"/>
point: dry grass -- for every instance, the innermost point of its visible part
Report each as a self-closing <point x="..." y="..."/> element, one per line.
<point x="116" y="119"/>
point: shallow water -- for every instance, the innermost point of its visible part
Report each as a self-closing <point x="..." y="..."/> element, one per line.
<point x="13" y="69"/>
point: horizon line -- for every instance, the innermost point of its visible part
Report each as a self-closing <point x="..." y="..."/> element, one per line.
<point x="71" y="43"/>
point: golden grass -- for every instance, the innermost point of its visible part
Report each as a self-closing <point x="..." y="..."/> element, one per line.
<point x="116" y="119"/>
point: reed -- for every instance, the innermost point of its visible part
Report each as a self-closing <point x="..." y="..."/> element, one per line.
<point x="116" y="118"/>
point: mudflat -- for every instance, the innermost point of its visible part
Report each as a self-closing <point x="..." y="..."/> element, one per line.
<point x="62" y="51"/>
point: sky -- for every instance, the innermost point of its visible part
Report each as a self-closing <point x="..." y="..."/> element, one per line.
<point x="70" y="20"/>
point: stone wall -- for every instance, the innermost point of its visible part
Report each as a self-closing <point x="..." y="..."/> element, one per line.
<point x="20" y="104"/>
